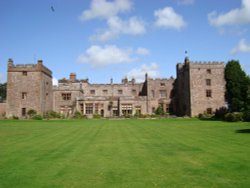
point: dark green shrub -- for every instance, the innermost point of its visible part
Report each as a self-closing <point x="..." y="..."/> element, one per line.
<point x="205" y="116"/>
<point x="14" y="117"/>
<point x="52" y="115"/>
<point x="31" y="113"/>
<point x="234" y="117"/>
<point x="96" y="116"/>
<point x="37" y="117"/>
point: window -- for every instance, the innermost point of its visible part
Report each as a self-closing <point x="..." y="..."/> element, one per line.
<point x="209" y="110"/>
<point x="208" y="82"/>
<point x="120" y="92"/>
<point x="23" y="111"/>
<point x="126" y="109"/>
<point x="89" y="108"/>
<point x="209" y="93"/>
<point x="24" y="95"/>
<point x="138" y="110"/>
<point x="162" y="84"/>
<point x="105" y="92"/>
<point x="25" y="73"/>
<point x="66" y="96"/>
<point x="163" y="93"/>
<point x="92" y="92"/>
<point x="209" y="71"/>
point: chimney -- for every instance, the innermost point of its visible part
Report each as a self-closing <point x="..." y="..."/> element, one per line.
<point x="72" y="77"/>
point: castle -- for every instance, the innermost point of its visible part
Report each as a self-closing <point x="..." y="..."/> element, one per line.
<point x="198" y="88"/>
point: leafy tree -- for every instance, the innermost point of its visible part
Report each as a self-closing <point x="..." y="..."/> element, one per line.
<point x="3" y="91"/>
<point x="237" y="85"/>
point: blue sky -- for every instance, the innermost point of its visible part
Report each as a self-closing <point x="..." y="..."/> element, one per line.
<point x="103" y="39"/>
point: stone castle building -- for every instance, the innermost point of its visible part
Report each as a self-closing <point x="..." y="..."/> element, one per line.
<point x="198" y="88"/>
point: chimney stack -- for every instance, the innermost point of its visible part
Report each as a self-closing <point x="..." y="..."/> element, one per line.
<point x="72" y="77"/>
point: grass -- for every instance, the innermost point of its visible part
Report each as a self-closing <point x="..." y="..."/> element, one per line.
<point x="124" y="153"/>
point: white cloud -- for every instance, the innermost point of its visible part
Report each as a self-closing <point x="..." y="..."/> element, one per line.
<point x="55" y="82"/>
<point x="242" y="47"/>
<point x="106" y="9"/>
<point x="98" y="56"/>
<point x="2" y="78"/>
<point x="185" y="2"/>
<point x="142" y="51"/>
<point x="117" y="26"/>
<point x="237" y="16"/>
<point x="139" y="73"/>
<point x="168" y="18"/>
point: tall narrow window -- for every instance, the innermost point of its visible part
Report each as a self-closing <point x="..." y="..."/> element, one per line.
<point x="23" y="111"/>
<point x="209" y="93"/>
<point x="208" y="82"/>
<point x="25" y="73"/>
<point x="209" y="71"/>
<point x="89" y="108"/>
<point x="24" y="95"/>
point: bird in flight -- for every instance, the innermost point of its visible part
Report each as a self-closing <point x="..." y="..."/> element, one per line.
<point x="52" y="9"/>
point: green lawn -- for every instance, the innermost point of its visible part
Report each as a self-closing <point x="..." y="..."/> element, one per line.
<point x="124" y="153"/>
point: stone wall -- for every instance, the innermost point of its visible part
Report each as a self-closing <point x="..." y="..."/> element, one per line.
<point x="2" y="110"/>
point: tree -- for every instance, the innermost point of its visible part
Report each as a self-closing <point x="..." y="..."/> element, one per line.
<point x="3" y="91"/>
<point x="237" y="86"/>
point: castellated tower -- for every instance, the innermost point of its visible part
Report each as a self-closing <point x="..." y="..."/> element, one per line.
<point x="29" y="87"/>
<point x="200" y="87"/>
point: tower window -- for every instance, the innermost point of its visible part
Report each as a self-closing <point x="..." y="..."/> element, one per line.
<point x="209" y="110"/>
<point x="208" y="82"/>
<point x="25" y="73"/>
<point x="24" y="95"/>
<point x="209" y="93"/>
<point x="92" y="92"/>
<point x="23" y="111"/>
<point x="209" y="71"/>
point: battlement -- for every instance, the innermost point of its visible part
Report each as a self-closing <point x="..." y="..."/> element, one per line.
<point x="39" y="67"/>
<point x="207" y="62"/>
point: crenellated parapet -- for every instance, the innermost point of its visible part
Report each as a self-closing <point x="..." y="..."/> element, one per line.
<point x="39" y="67"/>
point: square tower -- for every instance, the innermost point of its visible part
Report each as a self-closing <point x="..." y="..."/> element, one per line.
<point x="200" y="87"/>
<point x="29" y="86"/>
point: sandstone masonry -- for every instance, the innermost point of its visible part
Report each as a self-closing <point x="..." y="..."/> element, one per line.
<point x="198" y="88"/>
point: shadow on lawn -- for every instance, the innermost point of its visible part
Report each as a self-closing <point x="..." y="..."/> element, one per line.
<point x="243" y="131"/>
